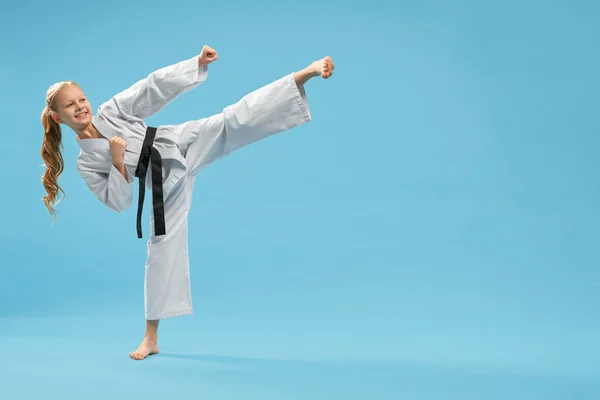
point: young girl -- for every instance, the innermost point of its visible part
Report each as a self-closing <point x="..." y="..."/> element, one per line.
<point x="116" y="145"/>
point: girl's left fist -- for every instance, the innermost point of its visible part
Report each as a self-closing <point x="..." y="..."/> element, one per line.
<point x="207" y="56"/>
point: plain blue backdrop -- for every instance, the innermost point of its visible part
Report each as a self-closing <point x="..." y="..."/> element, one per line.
<point x="431" y="234"/>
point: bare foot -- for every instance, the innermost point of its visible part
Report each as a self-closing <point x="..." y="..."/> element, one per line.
<point x="323" y="68"/>
<point x="147" y="348"/>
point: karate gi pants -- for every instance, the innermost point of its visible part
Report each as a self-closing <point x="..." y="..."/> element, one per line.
<point x="274" y="108"/>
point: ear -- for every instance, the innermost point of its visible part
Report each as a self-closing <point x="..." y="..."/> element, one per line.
<point x="55" y="117"/>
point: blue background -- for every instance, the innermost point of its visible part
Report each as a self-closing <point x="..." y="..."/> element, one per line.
<point x="431" y="234"/>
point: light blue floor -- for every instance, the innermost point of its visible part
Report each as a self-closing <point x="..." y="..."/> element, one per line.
<point x="85" y="358"/>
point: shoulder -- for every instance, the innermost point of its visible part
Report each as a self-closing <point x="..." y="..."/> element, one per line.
<point x="114" y="112"/>
<point x="108" y="109"/>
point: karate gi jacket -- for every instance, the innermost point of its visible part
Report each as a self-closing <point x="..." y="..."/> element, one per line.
<point x="123" y="115"/>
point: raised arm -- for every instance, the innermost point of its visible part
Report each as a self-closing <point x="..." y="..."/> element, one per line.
<point x="149" y="95"/>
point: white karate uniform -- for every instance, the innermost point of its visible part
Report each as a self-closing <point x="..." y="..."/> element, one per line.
<point x="185" y="149"/>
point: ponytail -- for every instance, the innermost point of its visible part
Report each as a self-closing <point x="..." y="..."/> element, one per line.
<point x="51" y="154"/>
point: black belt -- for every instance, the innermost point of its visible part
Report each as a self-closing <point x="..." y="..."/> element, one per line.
<point x="149" y="154"/>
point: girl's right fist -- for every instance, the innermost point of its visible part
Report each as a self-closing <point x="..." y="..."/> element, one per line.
<point x="117" y="148"/>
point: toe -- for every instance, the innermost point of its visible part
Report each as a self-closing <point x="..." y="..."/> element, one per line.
<point x="331" y="63"/>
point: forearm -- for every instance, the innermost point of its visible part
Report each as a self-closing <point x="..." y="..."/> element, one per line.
<point x="120" y="166"/>
<point x="151" y="94"/>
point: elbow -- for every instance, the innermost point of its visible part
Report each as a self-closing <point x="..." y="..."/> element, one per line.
<point x="118" y="210"/>
<point x="119" y="205"/>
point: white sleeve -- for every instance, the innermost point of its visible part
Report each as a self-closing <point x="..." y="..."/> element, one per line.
<point x="112" y="189"/>
<point x="149" y="95"/>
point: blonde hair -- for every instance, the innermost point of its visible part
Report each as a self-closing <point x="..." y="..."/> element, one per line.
<point x="51" y="149"/>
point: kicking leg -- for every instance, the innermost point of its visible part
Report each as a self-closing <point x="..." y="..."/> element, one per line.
<point x="271" y="109"/>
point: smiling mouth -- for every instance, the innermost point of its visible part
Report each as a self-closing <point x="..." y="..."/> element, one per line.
<point x="83" y="114"/>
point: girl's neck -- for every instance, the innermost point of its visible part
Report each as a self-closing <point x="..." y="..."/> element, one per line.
<point x="89" y="132"/>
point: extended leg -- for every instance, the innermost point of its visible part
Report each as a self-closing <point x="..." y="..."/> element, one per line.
<point x="271" y="109"/>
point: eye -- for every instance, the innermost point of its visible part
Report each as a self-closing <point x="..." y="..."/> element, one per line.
<point x="83" y="99"/>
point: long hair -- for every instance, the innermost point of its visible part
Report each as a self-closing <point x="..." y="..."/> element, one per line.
<point x="51" y="150"/>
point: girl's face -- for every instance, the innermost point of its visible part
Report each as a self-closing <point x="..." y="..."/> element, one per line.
<point x="72" y="108"/>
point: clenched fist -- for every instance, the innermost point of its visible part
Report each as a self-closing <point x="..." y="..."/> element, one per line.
<point x="117" y="148"/>
<point x="207" y="56"/>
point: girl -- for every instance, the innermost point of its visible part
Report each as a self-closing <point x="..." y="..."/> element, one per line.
<point x="116" y="145"/>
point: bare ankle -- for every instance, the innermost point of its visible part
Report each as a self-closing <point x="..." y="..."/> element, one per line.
<point x="151" y="331"/>
<point x="151" y="338"/>
<point x="303" y="76"/>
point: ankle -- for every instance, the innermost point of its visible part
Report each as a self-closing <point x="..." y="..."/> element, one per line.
<point x="312" y="71"/>
<point x="151" y="338"/>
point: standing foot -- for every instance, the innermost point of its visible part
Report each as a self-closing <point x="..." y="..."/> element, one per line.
<point x="147" y="348"/>
<point x="149" y="344"/>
